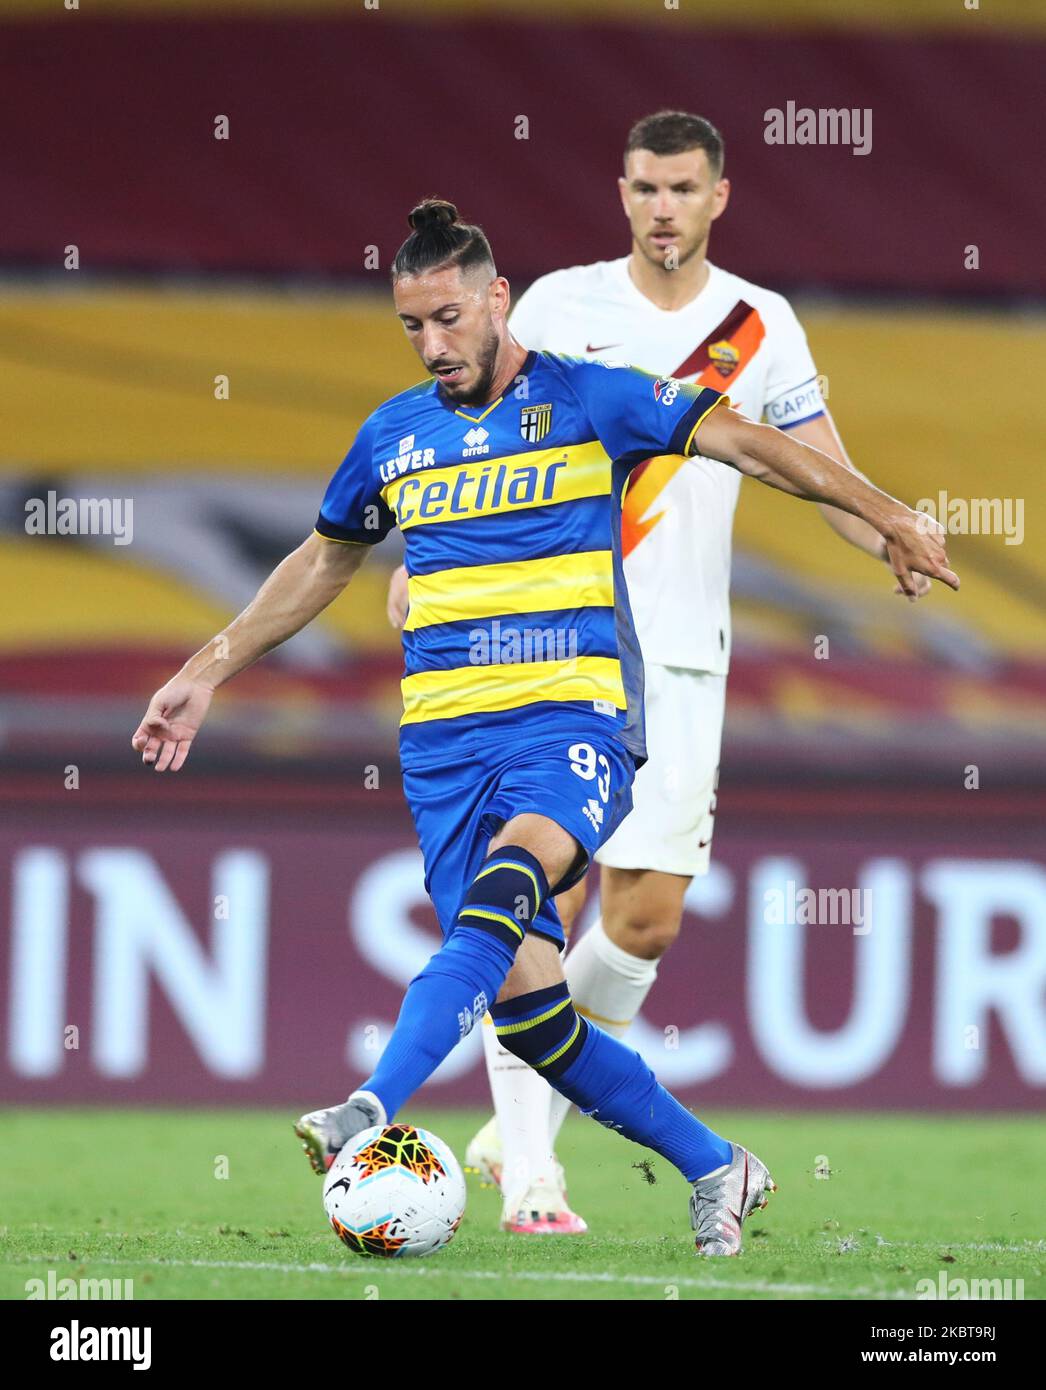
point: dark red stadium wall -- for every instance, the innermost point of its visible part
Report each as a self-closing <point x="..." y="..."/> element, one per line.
<point x="252" y="946"/>
<point x="338" y="125"/>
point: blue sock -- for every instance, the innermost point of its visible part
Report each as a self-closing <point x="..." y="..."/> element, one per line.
<point x="461" y="981"/>
<point x="606" y="1079"/>
<point x="611" y="1082"/>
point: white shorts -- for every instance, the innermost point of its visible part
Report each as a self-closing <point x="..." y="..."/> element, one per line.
<point x="670" y="825"/>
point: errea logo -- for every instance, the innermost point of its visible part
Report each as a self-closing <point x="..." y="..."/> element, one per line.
<point x="476" y="443"/>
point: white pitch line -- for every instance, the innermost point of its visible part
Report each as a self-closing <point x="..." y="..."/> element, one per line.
<point x="1024" y="1247"/>
<point x="532" y="1276"/>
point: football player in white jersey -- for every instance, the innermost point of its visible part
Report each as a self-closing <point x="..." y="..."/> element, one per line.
<point x="668" y="309"/>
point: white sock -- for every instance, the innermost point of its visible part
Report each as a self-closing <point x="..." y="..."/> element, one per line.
<point x="521" y="1101"/>
<point x="607" y="985"/>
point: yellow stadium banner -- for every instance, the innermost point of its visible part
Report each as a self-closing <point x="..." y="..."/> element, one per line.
<point x="125" y="385"/>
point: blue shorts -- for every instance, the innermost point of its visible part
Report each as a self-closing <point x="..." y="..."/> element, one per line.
<point x="462" y="793"/>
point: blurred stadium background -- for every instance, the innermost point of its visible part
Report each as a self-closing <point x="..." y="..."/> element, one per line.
<point x="243" y="932"/>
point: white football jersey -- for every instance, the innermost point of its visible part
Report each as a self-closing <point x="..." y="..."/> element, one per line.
<point x="677" y="516"/>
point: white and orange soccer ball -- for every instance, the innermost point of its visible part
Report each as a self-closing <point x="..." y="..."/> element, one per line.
<point x="394" y="1191"/>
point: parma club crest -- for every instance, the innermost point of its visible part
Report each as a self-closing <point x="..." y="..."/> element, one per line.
<point x="535" y="421"/>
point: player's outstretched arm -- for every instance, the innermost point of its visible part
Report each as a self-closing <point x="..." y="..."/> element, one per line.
<point x="298" y="589"/>
<point x="914" y="542"/>
<point x="821" y="433"/>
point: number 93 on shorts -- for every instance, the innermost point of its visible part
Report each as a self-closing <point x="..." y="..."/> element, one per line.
<point x="582" y="780"/>
<point x="582" y="783"/>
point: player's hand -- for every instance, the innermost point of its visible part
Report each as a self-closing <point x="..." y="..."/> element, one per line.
<point x="915" y="546"/>
<point x="922" y="587"/>
<point x="922" y="584"/>
<point x="171" y="722"/>
<point x="398" y="604"/>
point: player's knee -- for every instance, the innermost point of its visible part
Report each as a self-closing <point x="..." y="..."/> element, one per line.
<point x="642" y="910"/>
<point x="646" y="931"/>
<point x="553" y="847"/>
<point x="504" y="897"/>
<point x="541" y="1029"/>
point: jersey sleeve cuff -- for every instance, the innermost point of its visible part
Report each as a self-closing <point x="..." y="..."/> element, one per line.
<point x="345" y="534"/>
<point x="683" y="438"/>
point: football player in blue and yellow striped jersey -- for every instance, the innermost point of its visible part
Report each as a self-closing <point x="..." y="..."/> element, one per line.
<point x="522" y="724"/>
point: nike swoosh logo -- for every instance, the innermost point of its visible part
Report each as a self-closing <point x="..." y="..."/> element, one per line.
<point x="603" y="347"/>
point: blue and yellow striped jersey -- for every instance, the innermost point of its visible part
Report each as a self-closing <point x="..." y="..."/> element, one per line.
<point x="511" y="518"/>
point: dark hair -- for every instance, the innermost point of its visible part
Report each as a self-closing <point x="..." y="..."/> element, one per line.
<point x="675" y="132"/>
<point x="440" y="239"/>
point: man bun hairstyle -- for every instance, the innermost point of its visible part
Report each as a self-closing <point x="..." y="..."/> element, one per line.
<point x="439" y="238"/>
<point x="675" y="132"/>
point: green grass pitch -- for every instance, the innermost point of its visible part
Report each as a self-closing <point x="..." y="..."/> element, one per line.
<point x="133" y="1194"/>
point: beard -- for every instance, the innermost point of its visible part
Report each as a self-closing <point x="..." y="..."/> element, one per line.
<point x="486" y="365"/>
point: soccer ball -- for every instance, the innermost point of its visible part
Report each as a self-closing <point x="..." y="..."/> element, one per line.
<point x="395" y="1190"/>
